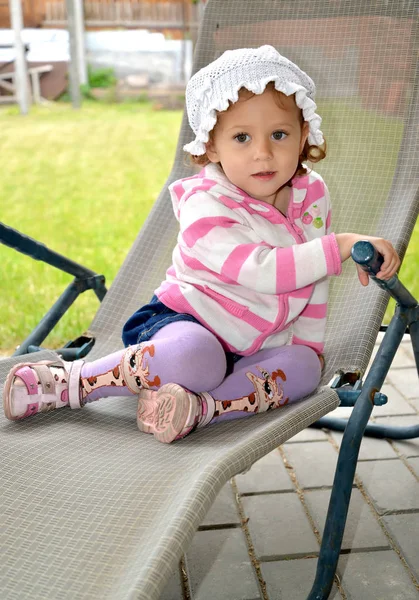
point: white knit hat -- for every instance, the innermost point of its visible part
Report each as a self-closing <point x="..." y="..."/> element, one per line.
<point x="212" y="88"/>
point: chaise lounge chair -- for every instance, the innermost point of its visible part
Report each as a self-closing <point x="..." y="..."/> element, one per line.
<point x="92" y="508"/>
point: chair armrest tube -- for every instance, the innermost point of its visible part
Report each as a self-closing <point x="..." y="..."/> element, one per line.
<point x="48" y="322"/>
<point x="370" y="260"/>
<point x="38" y="251"/>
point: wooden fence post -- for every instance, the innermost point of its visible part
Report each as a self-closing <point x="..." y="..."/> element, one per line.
<point x="21" y="69"/>
<point x="73" y="67"/>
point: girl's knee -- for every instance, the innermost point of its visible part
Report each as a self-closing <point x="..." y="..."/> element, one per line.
<point x="194" y="358"/>
<point x="302" y="367"/>
<point x="206" y="358"/>
<point x="308" y="359"/>
<point x="201" y="357"/>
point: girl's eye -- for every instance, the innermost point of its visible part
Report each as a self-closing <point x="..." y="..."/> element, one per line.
<point x="279" y="135"/>
<point x="242" y="137"/>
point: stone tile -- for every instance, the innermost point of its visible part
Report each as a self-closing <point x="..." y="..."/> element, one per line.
<point x="406" y="381"/>
<point x="415" y="403"/>
<point x="341" y="412"/>
<point x="219" y="566"/>
<point x="390" y="485"/>
<point x="375" y="576"/>
<point x="414" y="463"/>
<point x="314" y="463"/>
<point x="266" y="475"/>
<point x="278" y="526"/>
<point x="371" y="448"/>
<point x="173" y="589"/>
<point x="396" y="404"/>
<point x="362" y="531"/>
<point x="405" y="447"/>
<point x="308" y="435"/>
<point x="224" y="510"/>
<point x="407" y="349"/>
<point x="380" y="337"/>
<point x="404" y="529"/>
<point x="404" y="356"/>
<point x="292" y="579"/>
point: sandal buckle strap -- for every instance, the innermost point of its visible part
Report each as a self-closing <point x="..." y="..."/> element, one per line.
<point x="206" y="417"/>
<point x="74" y="370"/>
<point x="46" y="378"/>
<point x="26" y="375"/>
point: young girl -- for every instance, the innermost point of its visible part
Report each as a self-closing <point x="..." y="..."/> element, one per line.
<point x="238" y="325"/>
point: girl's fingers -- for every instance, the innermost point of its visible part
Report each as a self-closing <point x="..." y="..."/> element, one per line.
<point x="362" y="276"/>
<point x="389" y="267"/>
<point x="390" y="264"/>
<point x="391" y="259"/>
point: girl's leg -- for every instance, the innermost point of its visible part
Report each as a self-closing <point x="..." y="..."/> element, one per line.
<point x="182" y="352"/>
<point x="267" y="380"/>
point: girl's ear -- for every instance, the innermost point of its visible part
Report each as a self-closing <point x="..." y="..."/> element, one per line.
<point x="211" y="152"/>
<point x="304" y="135"/>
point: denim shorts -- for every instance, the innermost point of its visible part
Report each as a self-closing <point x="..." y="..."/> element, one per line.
<point x="151" y="317"/>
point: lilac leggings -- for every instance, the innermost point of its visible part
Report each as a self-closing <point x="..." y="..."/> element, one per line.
<point x="188" y="354"/>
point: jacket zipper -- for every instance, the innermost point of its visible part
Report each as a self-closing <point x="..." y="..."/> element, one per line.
<point x="294" y="229"/>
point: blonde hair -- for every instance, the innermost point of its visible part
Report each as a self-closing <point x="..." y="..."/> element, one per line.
<point x="311" y="153"/>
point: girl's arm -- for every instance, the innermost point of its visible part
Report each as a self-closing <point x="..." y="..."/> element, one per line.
<point x="391" y="262"/>
<point x="213" y="238"/>
<point x="309" y="329"/>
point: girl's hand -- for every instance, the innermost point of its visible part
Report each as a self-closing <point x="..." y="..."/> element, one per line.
<point x="391" y="259"/>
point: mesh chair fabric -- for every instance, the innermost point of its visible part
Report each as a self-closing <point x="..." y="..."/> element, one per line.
<point x="92" y="508"/>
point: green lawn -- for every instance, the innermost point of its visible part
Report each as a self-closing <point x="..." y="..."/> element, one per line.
<point x="83" y="182"/>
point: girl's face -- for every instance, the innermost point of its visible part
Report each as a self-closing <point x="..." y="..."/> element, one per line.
<point x="258" y="141"/>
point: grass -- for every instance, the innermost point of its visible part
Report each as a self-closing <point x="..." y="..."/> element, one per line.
<point x="83" y="183"/>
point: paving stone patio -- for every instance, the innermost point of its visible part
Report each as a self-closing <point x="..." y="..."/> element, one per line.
<point x="260" y="540"/>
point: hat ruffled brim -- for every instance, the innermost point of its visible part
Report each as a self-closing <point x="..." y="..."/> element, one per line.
<point x="308" y="107"/>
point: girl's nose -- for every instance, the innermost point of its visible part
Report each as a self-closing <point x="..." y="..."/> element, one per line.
<point x="262" y="150"/>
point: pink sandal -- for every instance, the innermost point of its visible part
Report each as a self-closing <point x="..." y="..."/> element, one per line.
<point x="170" y="413"/>
<point x="31" y="388"/>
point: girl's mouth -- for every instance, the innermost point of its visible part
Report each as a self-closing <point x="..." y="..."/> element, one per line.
<point x="264" y="175"/>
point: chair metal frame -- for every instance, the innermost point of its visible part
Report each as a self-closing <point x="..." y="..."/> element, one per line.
<point x="362" y="396"/>
<point x="406" y="316"/>
<point x="84" y="279"/>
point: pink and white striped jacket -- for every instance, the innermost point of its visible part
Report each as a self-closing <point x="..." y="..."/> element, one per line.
<point x="247" y="272"/>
